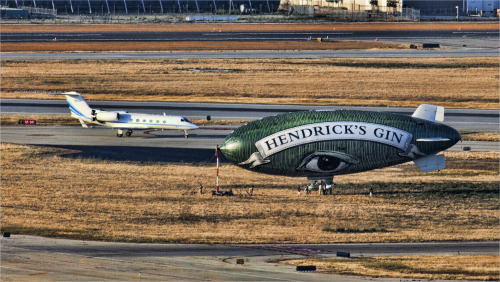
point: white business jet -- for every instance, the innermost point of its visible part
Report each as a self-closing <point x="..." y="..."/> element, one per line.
<point x="122" y="120"/>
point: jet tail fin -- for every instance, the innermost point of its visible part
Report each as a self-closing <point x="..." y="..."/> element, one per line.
<point x="78" y="106"/>
<point x="430" y="162"/>
<point x="429" y="112"/>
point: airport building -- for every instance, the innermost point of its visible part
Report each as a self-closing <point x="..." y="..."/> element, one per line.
<point x="452" y="8"/>
<point x="426" y="7"/>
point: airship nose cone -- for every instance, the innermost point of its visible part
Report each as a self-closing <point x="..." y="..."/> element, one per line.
<point x="231" y="148"/>
<point x="446" y="138"/>
<point x="455" y="137"/>
<point x="452" y="135"/>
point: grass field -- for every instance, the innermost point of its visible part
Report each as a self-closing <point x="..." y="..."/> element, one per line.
<point x="449" y="267"/>
<point x="450" y="82"/>
<point x="165" y="46"/>
<point x="46" y="194"/>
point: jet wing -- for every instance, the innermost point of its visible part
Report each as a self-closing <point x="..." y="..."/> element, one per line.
<point x="128" y="126"/>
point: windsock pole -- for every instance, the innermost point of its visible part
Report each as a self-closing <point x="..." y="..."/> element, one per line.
<point x="217" y="154"/>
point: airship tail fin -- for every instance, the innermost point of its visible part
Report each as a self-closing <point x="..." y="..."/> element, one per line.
<point x="429" y="112"/>
<point x="430" y="162"/>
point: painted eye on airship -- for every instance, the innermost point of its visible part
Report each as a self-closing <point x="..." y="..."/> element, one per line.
<point x="325" y="161"/>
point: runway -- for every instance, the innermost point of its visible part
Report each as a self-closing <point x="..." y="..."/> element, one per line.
<point x="454" y="43"/>
<point x="483" y="38"/>
<point x="430" y="35"/>
<point x="171" y="146"/>
<point x="410" y="53"/>
<point x="460" y="119"/>
<point x="155" y="146"/>
<point x="36" y="258"/>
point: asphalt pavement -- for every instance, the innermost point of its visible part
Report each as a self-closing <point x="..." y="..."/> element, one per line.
<point x="430" y="35"/>
<point x="382" y="53"/>
<point x="460" y="119"/>
<point x="41" y="259"/>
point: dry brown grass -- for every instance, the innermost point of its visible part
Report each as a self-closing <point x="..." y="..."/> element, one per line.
<point x="480" y="136"/>
<point x="450" y="82"/>
<point x="189" y="46"/>
<point x="245" y="27"/>
<point x="46" y="194"/>
<point x="13" y="120"/>
<point x="449" y="267"/>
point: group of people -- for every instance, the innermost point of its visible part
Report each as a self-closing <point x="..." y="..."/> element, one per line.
<point x="323" y="188"/>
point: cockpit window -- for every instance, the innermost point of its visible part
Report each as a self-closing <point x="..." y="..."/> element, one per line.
<point x="184" y="119"/>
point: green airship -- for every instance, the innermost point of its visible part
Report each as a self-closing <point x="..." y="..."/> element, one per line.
<point x="321" y="144"/>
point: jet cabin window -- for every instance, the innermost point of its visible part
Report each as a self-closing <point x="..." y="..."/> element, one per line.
<point x="137" y="120"/>
<point x="143" y="120"/>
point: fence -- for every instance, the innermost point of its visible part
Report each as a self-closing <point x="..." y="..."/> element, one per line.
<point x="42" y="12"/>
<point x="359" y="13"/>
<point x="410" y="14"/>
<point x="141" y="7"/>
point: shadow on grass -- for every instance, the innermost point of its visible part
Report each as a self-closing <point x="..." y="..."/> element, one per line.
<point x="141" y="154"/>
<point x="425" y="190"/>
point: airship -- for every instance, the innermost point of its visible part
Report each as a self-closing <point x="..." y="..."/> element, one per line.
<point x="322" y="144"/>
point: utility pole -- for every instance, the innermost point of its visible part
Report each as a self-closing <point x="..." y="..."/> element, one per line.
<point x="217" y="155"/>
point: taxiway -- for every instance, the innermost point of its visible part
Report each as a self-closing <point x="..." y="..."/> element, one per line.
<point x="460" y="119"/>
<point x="35" y="258"/>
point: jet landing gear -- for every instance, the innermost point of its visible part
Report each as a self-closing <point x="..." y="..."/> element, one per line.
<point x="120" y="133"/>
<point x="186" y="134"/>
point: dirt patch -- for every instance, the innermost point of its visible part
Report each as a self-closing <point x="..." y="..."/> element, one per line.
<point x="190" y="46"/>
<point x="245" y="27"/>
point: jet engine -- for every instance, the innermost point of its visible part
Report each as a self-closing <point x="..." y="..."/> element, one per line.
<point x="105" y="116"/>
